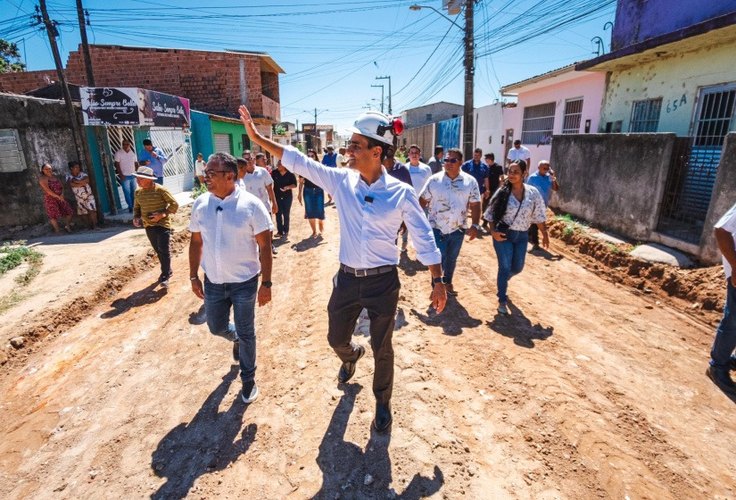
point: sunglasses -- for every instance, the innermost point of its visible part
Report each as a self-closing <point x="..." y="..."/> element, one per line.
<point x="451" y="160"/>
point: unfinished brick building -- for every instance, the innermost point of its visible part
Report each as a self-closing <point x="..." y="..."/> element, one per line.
<point x="214" y="82"/>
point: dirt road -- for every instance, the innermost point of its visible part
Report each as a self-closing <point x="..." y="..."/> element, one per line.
<point x="586" y="391"/>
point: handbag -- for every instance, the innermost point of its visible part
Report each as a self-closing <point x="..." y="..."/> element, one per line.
<point x="502" y="227"/>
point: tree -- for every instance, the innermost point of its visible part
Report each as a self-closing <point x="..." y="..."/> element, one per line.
<point x="10" y="58"/>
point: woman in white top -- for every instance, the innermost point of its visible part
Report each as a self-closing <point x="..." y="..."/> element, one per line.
<point x="512" y="210"/>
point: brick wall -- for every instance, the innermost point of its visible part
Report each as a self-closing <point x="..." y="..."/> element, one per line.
<point x="24" y="81"/>
<point x="210" y="80"/>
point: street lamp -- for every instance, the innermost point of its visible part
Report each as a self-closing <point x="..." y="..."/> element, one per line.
<point x="469" y="71"/>
<point x="420" y="7"/>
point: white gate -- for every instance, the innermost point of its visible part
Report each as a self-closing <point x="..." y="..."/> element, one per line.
<point x="179" y="169"/>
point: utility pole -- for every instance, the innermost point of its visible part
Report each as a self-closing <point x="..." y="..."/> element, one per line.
<point x="469" y="80"/>
<point x="383" y="87"/>
<point x="85" y="45"/>
<point x="389" y="91"/>
<point x="53" y="33"/>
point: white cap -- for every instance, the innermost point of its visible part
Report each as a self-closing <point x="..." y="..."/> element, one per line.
<point x="374" y="125"/>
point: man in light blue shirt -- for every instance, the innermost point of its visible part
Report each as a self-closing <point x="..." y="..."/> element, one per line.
<point x="153" y="158"/>
<point x="545" y="181"/>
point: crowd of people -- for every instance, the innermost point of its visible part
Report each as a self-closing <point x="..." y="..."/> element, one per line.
<point x="382" y="204"/>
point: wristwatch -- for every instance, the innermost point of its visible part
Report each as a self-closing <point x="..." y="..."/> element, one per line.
<point x="441" y="279"/>
<point x="267" y="284"/>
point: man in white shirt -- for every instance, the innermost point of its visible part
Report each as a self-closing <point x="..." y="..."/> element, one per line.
<point x="722" y="359"/>
<point x="518" y="152"/>
<point x="126" y="163"/>
<point x="231" y="236"/>
<point x="342" y="160"/>
<point x="258" y="182"/>
<point x="371" y="206"/>
<point x="448" y="195"/>
<point x="435" y="163"/>
<point x="419" y="173"/>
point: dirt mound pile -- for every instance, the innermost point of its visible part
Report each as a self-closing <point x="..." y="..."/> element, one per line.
<point x="704" y="287"/>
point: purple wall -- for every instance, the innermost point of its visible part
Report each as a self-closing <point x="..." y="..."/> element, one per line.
<point x="638" y="20"/>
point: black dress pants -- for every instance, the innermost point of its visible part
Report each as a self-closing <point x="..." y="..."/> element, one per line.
<point x="379" y="295"/>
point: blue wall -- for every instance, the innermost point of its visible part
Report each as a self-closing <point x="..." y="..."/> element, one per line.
<point x="201" y="135"/>
<point x="638" y="20"/>
<point x="448" y="133"/>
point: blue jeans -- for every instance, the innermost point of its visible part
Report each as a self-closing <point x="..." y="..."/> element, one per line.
<point x="314" y="203"/>
<point x="449" y="245"/>
<point x="725" y="341"/>
<point x="129" y="186"/>
<point x="510" y="254"/>
<point x="242" y="298"/>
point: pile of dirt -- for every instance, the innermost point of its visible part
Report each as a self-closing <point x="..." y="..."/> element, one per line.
<point x="702" y="288"/>
<point x="73" y="309"/>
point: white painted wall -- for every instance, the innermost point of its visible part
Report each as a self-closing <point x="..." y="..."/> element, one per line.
<point x="489" y="130"/>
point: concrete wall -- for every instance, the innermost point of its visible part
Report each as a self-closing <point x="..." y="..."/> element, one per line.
<point x="676" y="80"/>
<point x="724" y="197"/>
<point x="45" y="136"/>
<point x="416" y="117"/>
<point x="588" y="85"/>
<point x="637" y="20"/>
<point x="489" y="131"/>
<point x="615" y="181"/>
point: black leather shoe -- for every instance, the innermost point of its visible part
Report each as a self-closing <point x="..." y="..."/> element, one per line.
<point x="722" y="379"/>
<point x="347" y="370"/>
<point x="383" y="419"/>
<point x="236" y="351"/>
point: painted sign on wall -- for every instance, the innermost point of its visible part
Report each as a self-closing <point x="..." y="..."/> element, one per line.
<point x="103" y="106"/>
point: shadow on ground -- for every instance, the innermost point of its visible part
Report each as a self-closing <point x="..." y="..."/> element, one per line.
<point x="346" y="467"/>
<point x="210" y="442"/>
<point x="518" y="327"/>
<point x="452" y="320"/>
<point x="308" y="243"/>
<point x="148" y="295"/>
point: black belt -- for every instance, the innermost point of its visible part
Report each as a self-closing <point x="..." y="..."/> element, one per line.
<point x="362" y="273"/>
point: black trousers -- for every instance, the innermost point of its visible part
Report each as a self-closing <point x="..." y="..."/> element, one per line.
<point x="282" y="216"/>
<point x="379" y="295"/>
<point x="534" y="235"/>
<point x="160" y="237"/>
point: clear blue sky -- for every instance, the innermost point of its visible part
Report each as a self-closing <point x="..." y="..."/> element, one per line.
<point x="332" y="51"/>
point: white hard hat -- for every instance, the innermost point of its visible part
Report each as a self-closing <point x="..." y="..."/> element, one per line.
<point x="377" y="126"/>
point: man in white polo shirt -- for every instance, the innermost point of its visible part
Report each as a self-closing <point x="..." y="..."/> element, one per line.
<point x="419" y="173"/>
<point x="126" y="163"/>
<point x="447" y="195"/>
<point x="231" y="239"/>
<point x="371" y="205"/>
<point x="518" y="152"/>
<point x="258" y="182"/>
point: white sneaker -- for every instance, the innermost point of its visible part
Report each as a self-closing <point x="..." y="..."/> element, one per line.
<point x="252" y="393"/>
<point x="503" y="309"/>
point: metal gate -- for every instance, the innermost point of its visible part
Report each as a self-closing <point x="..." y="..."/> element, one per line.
<point x="179" y="169"/>
<point x="695" y="164"/>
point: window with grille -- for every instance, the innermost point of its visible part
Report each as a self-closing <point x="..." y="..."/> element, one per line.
<point x="538" y="122"/>
<point x="429" y="117"/>
<point x="573" y="115"/>
<point x="645" y="115"/>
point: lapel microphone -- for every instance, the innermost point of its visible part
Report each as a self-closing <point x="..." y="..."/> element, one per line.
<point x="369" y="199"/>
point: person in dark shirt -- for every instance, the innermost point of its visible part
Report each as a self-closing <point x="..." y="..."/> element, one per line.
<point x="283" y="182"/>
<point x="495" y="173"/>
<point x="394" y="168"/>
